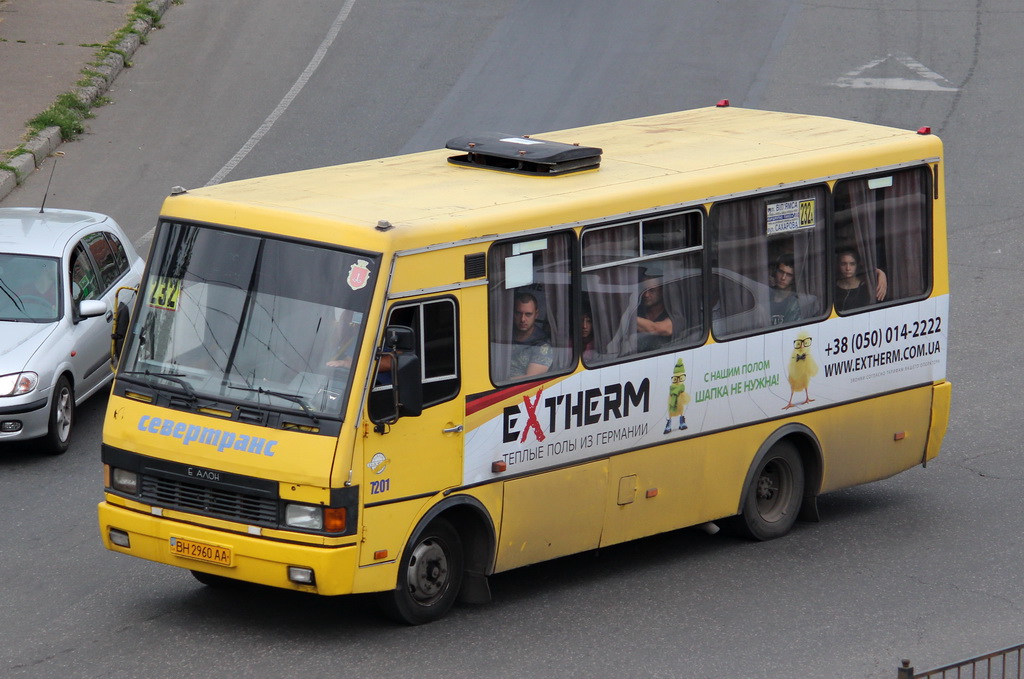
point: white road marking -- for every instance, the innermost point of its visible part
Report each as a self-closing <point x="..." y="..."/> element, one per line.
<point x="288" y="98"/>
<point x="925" y="79"/>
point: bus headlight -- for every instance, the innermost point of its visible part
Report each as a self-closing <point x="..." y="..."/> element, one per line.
<point x="308" y="517"/>
<point x="17" y="384"/>
<point x="124" y="481"/>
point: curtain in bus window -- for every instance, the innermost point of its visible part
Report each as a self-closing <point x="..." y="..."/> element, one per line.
<point x="609" y="291"/>
<point x="537" y="270"/>
<point x="862" y="215"/>
<point x="809" y="255"/>
<point x="905" y="239"/>
<point x="741" y="255"/>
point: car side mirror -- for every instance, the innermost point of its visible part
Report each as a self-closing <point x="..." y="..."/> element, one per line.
<point x="90" y="308"/>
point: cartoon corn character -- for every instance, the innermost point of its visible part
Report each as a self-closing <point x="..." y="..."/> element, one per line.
<point x="677" y="397"/>
<point x="801" y="369"/>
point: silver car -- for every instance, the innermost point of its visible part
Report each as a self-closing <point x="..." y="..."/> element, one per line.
<point x="64" y="275"/>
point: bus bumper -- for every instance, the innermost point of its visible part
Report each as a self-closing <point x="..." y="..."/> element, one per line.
<point x="250" y="559"/>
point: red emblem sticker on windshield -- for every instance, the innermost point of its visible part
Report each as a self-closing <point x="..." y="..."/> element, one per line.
<point x="358" y="275"/>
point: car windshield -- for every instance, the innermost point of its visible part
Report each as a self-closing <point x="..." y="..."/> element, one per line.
<point x="265" y="322"/>
<point x="28" y="288"/>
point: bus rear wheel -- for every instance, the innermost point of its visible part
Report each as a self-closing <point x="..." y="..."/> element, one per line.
<point x="429" y="576"/>
<point x="774" y="496"/>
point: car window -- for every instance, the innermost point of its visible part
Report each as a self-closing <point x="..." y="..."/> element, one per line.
<point x="28" y="288"/>
<point x="84" y="280"/>
<point x="103" y="255"/>
<point x="120" y="256"/>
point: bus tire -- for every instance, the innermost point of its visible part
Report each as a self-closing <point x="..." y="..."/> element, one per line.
<point x="429" y="576"/>
<point x="62" y="418"/>
<point x="773" y="499"/>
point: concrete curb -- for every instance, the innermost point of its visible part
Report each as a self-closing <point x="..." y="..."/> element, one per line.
<point x="40" y="146"/>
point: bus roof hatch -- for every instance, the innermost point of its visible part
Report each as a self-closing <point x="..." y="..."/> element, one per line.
<point x="522" y="154"/>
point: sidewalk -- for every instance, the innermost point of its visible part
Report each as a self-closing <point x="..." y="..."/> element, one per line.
<point x="44" y="45"/>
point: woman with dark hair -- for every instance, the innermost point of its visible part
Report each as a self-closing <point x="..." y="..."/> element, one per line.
<point x="852" y="290"/>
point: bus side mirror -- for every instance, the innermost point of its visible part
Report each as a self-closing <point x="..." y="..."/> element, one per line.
<point x="408" y="385"/>
<point x="120" y="328"/>
<point x="399" y="338"/>
<point x="404" y="375"/>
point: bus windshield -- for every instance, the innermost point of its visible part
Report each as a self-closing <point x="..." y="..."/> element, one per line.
<point x="246" y="319"/>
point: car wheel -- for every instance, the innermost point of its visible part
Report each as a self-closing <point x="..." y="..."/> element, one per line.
<point x="62" y="418"/>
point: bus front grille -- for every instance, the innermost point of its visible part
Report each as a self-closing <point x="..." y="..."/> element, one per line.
<point x="215" y="502"/>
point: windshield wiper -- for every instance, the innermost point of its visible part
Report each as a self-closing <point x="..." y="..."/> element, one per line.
<point x="171" y="377"/>
<point x="12" y="295"/>
<point x="279" y="394"/>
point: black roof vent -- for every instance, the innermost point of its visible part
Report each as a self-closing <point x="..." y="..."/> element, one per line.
<point x="523" y="154"/>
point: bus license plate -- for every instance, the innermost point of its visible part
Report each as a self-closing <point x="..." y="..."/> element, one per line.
<point x="200" y="551"/>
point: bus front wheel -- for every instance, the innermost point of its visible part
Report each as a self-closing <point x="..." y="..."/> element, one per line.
<point x="773" y="499"/>
<point x="429" y="576"/>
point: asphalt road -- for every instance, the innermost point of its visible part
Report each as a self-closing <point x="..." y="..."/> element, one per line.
<point x="924" y="566"/>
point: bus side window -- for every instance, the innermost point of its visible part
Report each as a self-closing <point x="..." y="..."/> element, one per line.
<point x="435" y="325"/>
<point x="643" y="283"/>
<point x="769" y="261"/>
<point x="881" y="228"/>
<point x="530" y="308"/>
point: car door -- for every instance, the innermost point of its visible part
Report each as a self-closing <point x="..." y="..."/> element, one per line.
<point x="90" y="354"/>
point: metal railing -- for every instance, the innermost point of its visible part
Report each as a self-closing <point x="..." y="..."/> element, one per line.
<point x="1004" y="664"/>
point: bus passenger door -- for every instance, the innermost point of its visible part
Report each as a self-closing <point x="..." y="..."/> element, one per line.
<point x="413" y="458"/>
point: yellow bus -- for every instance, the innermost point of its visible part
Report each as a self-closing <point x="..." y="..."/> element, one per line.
<point x="404" y="375"/>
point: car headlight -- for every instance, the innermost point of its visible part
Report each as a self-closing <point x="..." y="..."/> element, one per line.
<point x="17" y="384"/>
<point x="309" y="517"/>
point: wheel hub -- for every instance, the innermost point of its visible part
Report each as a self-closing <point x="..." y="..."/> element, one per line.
<point x="428" y="571"/>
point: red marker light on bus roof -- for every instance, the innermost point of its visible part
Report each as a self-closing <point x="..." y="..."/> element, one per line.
<point x="722" y="103"/>
<point x="924" y="130"/>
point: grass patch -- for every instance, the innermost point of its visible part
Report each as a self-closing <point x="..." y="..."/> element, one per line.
<point x="69" y="113"/>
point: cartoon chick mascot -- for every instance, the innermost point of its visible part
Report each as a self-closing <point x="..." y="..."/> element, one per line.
<point x="677" y="397"/>
<point x="801" y="369"/>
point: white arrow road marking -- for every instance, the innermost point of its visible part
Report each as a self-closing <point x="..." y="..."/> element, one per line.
<point x="926" y="79"/>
